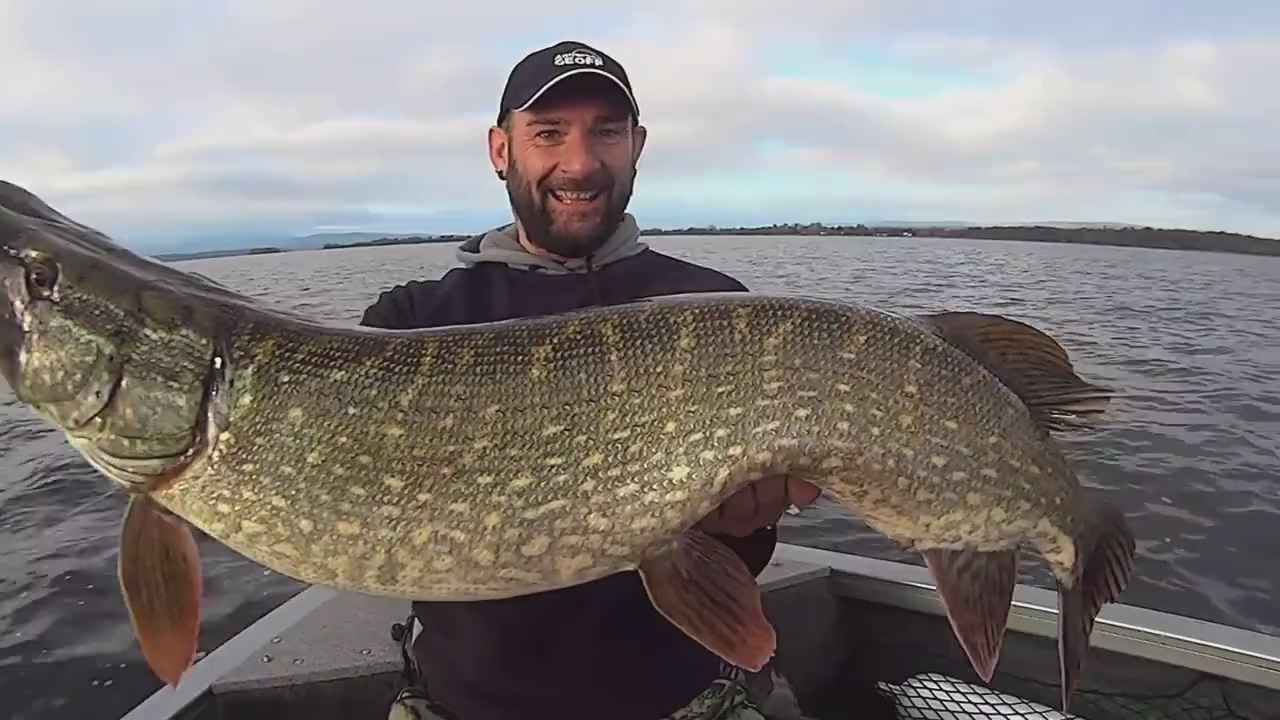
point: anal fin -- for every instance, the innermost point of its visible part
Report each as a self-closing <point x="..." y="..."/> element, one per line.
<point x="1029" y="362"/>
<point x="977" y="591"/>
<point x="1108" y="549"/>
<point x="706" y="590"/>
<point x="159" y="571"/>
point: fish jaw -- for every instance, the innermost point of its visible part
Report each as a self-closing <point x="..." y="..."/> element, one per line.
<point x="12" y="282"/>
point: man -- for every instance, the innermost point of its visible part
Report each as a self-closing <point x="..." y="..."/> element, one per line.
<point x="566" y="142"/>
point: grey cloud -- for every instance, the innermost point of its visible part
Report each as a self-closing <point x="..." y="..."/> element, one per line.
<point x="1080" y="24"/>
<point x="279" y="110"/>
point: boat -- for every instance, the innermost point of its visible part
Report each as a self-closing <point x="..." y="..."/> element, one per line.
<point x="327" y="654"/>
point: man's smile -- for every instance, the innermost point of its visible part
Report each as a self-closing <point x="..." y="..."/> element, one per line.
<point x="575" y="197"/>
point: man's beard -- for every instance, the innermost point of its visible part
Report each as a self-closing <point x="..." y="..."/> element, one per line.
<point x="529" y="203"/>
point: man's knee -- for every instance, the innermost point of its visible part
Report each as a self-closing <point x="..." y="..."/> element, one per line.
<point x="773" y="695"/>
<point x="413" y="704"/>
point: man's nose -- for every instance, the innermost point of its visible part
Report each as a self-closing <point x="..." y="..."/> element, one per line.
<point x="580" y="157"/>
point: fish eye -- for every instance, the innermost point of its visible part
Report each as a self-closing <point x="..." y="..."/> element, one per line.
<point x="42" y="278"/>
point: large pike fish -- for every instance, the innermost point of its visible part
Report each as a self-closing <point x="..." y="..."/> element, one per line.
<point x="488" y="461"/>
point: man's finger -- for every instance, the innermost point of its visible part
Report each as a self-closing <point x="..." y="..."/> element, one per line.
<point x="741" y="505"/>
<point x="771" y="494"/>
<point x="802" y="492"/>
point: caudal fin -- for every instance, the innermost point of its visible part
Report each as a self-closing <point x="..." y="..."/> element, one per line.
<point x="159" y="572"/>
<point x="977" y="591"/>
<point x="1108" y="548"/>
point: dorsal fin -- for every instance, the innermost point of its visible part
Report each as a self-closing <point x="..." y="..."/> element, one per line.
<point x="1029" y="362"/>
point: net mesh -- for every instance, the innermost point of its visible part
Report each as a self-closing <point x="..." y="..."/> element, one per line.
<point x="936" y="697"/>
<point x="933" y="696"/>
<point x="913" y="661"/>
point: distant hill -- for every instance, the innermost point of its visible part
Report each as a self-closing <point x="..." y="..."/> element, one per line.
<point x="1070" y="232"/>
<point x="1078" y="234"/>
<point x="203" y="254"/>
<point x="1068" y="224"/>
<point x="319" y="240"/>
<point x="316" y="241"/>
<point x="397" y="240"/>
<point x="910" y="223"/>
<point x="1065" y="224"/>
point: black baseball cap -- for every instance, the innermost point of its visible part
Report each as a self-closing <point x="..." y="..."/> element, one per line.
<point x="540" y="70"/>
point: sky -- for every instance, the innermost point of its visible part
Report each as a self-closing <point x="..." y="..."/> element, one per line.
<point x="179" y="124"/>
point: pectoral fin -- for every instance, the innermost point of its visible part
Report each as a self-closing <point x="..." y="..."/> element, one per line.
<point x="706" y="590"/>
<point x="159" y="571"/>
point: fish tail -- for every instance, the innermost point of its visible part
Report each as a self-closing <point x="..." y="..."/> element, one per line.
<point x="1107" y="549"/>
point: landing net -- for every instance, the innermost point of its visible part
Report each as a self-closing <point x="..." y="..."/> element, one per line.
<point x="933" y="696"/>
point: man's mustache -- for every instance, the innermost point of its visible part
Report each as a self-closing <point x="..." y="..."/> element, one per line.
<point x="595" y="182"/>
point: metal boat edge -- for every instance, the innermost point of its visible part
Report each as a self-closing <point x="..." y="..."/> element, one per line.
<point x="168" y="702"/>
<point x="1229" y="652"/>
<point x="1242" y="655"/>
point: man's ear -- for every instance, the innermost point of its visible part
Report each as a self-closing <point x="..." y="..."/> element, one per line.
<point x="499" y="150"/>
<point x="638" y="135"/>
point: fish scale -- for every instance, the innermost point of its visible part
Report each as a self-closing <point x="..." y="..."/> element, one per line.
<point x="497" y="460"/>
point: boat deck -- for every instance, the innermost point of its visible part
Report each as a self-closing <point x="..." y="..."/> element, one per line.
<point x="843" y="621"/>
<point x="325" y="653"/>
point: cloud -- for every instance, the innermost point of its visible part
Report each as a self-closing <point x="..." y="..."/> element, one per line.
<point x="159" y="120"/>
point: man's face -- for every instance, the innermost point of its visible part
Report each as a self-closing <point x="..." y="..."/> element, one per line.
<point x="570" y="163"/>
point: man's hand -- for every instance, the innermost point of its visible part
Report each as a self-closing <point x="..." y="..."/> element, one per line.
<point x="759" y="505"/>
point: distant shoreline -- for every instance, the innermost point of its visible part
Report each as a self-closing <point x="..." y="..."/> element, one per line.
<point x="1124" y="236"/>
<point x="1119" y="236"/>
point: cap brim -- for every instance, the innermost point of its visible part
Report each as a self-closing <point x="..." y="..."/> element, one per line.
<point x="580" y="71"/>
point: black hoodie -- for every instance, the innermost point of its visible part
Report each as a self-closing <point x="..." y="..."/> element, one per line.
<point x="584" y="652"/>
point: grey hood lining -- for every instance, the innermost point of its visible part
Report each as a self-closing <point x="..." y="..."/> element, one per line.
<point x="502" y="245"/>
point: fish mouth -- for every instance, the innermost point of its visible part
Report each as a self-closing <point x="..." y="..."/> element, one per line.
<point x="133" y="475"/>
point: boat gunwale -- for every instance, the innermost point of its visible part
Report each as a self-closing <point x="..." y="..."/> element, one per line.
<point x="169" y="702"/>
<point x="1222" y="650"/>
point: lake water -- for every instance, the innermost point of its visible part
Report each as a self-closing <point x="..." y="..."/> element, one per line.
<point x="1191" y="450"/>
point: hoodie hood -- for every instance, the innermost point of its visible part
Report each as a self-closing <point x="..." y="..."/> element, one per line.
<point x="502" y="245"/>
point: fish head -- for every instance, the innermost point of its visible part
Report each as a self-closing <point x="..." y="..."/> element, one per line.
<point x="49" y="347"/>
<point x="99" y="342"/>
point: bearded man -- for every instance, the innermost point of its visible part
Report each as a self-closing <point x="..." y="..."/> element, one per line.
<point x="566" y="143"/>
